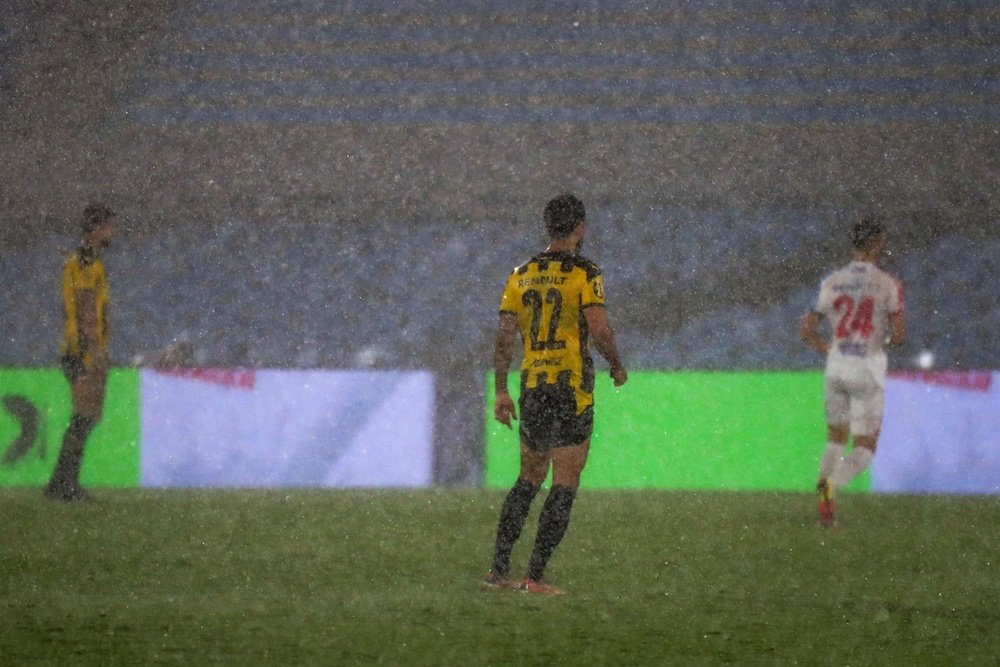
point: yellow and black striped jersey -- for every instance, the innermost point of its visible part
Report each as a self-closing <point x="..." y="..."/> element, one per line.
<point x="83" y="270"/>
<point x="548" y="295"/>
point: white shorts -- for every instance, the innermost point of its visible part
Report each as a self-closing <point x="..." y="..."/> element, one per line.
<point x="854" y="396"/>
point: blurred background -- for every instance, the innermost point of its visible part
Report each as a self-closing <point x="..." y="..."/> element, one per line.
<point x="345" y="185"/>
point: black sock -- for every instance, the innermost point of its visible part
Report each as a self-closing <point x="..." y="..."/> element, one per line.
<point x="552" y="526"/>
<point x="66" y="475"/>
<point x="512" y="516"/>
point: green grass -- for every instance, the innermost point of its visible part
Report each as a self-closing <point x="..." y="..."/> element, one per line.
<point x="392" y="577"/>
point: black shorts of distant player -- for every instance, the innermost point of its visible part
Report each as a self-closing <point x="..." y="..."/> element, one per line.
<point x="72" y="367"/>
<point x="549" y="418"/>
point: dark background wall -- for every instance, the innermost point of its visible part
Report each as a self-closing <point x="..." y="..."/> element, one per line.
<point x="308" y="185"/>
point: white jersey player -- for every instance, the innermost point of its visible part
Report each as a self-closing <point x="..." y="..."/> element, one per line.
<point x="864" y="306"/>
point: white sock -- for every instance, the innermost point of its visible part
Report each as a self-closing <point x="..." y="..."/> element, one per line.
<point x="852" y="466"/>
<point x="832" y="457"/>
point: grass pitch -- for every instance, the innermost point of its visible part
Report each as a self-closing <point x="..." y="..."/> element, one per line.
<point x="392" y="577"/>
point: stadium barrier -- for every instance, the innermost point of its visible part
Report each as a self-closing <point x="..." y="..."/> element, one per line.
<point x="766" y="431"/>
<point x="228" y="428"/>
<point x="941" y="434"/>
<point x="676" y="430"/>
<point x="691" y="430"/>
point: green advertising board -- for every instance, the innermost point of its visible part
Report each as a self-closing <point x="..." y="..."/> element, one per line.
<point x="691" y="430"/>
<point x="35" y="408"/>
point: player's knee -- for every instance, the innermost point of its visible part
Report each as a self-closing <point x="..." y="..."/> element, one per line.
<point x="89" y="409"/>
<point x="88" y="401"/>
<point x="568" y="475"/>
<point x="838" y="433"/>
<point x="869" y="442"/>
<point x="533" y="476"/>
<point x="569" y="481"/>
<point x="534" y="472"/>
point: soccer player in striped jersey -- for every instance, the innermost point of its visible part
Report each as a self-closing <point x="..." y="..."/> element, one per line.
<point x="84" y="348"/>
<point x="556" y="302"/>
<point x="864" y="306"/>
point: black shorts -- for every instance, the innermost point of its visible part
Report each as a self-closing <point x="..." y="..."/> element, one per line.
<point x="549" y="418"/>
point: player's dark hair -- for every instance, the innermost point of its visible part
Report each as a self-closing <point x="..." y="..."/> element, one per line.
<point x="866" y="231"/>
<point x="562" y="215"/>
<point x="94" y="215"/>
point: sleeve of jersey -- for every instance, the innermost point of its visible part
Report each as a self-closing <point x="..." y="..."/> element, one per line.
<point x="593" y="292"/>
<point x="508" y="302"/>
<point x="824" y="302"/>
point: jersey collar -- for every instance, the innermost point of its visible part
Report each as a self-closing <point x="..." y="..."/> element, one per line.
<point x="87" y="255"/>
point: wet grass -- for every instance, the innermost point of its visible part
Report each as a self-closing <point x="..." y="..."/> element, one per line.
<point x="392" y="577"/>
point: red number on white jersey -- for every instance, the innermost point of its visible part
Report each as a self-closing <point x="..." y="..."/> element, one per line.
<point x="854" y="320"/>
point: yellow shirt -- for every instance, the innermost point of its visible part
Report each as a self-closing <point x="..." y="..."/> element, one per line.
<point x="83" y="271"/>
<point x="548" y="295"/>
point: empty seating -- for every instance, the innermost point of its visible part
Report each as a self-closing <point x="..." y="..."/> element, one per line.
<point x="486" y="61"/>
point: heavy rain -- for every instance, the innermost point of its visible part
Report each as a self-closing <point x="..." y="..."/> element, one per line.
<point x="317" y="206"/>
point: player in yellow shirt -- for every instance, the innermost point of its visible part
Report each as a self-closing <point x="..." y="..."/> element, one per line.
<point x="556" y="302"/>
<point x="85" y="346"/>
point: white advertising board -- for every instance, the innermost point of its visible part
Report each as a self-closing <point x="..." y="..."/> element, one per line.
<point x="941" y="434"/>
<point x="284" y="428"/>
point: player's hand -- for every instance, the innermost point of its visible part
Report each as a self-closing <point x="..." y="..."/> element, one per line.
<point x="504" y="410"/>
<point x="619" y="375"/>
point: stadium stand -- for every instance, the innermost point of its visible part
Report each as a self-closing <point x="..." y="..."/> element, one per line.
<point x="326" y="297"/>
<point x="318" y="184"/>
<point x="16" y="22"/>
<point x="504" y="62"/>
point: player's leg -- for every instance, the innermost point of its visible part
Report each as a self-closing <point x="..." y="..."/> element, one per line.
<point x="535" y="432"/>
<point x="867" y="406"/>
<point x="514" y="512"/>
<point x="567" y="465"/>
<point x="836" y="404"/>
<point x="837" y="436"/>
<point x="87" y="389"/>
<point x="857" y="462"/>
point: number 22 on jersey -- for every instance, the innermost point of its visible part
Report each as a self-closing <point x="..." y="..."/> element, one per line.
<point x="553" y="298"/>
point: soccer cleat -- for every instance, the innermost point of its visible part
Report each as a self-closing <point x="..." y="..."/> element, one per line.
<point x="539" y="588"/>
<point x="827" y="508"/>
<point x="67" y="494"/>
<point x="493" y="580"/>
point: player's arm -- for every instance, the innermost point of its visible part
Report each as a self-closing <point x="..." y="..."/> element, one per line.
<point x="897" y="323"/>
<point x="897" y="327"/>
<point x="86" y="322"/>
<point x="503" y="354"/>
<point x="604" y="340"/>
<point x="811" y="335"/>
